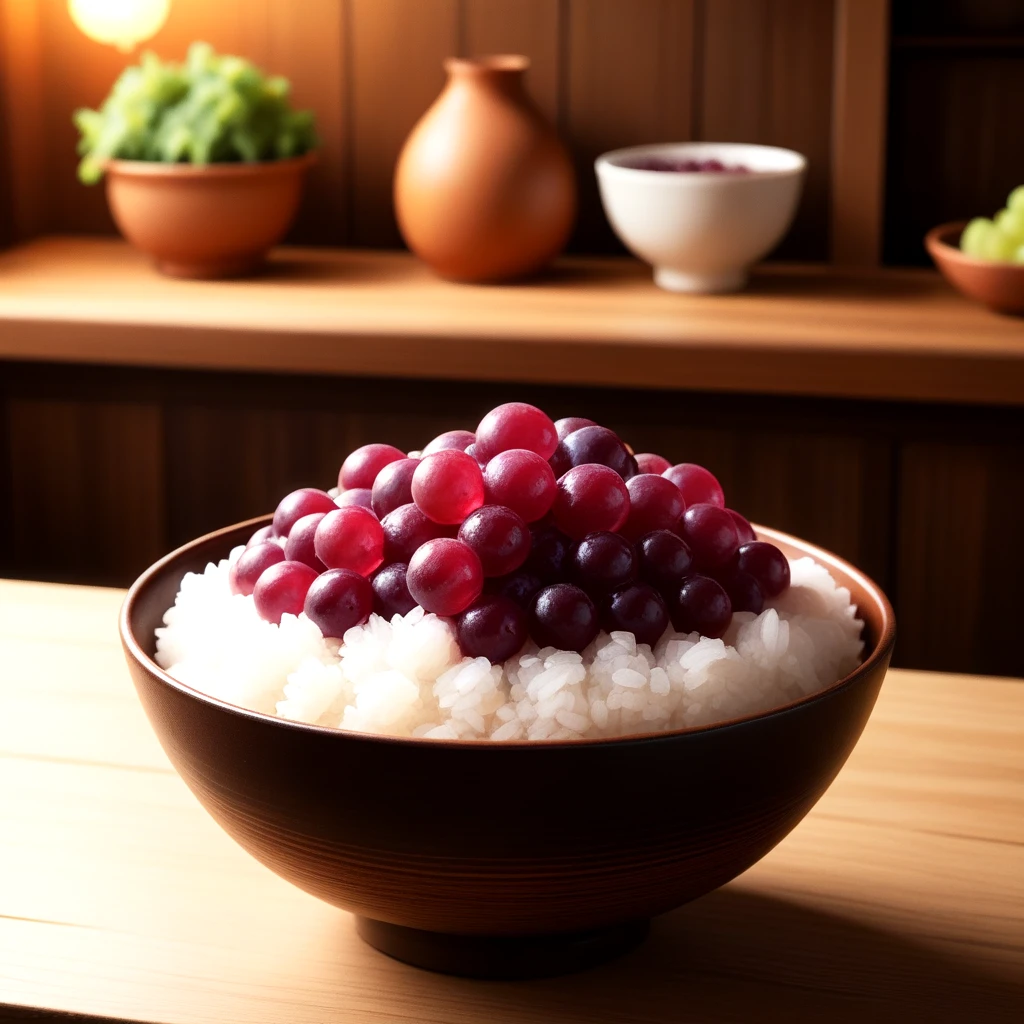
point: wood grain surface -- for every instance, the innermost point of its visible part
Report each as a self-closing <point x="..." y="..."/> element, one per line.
<point x="797" y="330"/>
<point x="900" y="897"/>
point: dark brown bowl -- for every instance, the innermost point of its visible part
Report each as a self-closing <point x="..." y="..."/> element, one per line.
<point x="502" y="859"/>
<point x="997" y="284"/>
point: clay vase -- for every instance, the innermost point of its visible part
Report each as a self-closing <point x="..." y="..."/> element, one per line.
<point x="484" y="189"/>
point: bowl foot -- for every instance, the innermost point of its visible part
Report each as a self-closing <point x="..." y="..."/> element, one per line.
<point x="680" y="281"/>
<point x="507" y="957"/>
<point x="210" y="271"/>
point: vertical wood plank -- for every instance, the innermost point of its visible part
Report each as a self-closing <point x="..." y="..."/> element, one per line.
<point x="766" y="77"/>
<point x="629" y="81"/>
<point x="530" y="27"/>
<point x="396" y="52"/>
<point x="859" y="131"/>
<point x="87" y="489"/>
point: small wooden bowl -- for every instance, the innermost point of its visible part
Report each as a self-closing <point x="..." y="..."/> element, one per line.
<point x="999" y="285"/>
<point x="502" y="859"/>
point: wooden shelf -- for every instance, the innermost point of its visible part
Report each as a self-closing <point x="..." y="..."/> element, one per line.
<point x="798" y="330"/>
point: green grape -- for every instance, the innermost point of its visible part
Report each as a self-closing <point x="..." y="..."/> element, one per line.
<point x="972" y="241"/>
<point x="1011" y="223"/>
<point x="1016" y="199"/>
<point x="998" y="246"/>
<point x="1018" y="256"/>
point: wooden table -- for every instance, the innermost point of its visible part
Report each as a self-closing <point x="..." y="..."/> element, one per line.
<point x="901" y="896"/>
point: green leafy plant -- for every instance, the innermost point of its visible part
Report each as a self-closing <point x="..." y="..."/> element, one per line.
<point x="212" y="108"/>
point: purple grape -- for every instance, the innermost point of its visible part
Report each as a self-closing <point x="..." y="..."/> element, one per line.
<point x="701" y="606"/>
<point x="300" y="544"/>
<point x="337" y="600"/>
<point x="663" y="559"/>
<point x="361" y="496"/>
<point x="393" y="486"/>
<point x="744" y="530"/>
<point x="520" y="587"/>
<point x="251" y="563"/>
<point x="361" y="467"/>
<point x="603" y="562"/>
<point x="696" y="484"/>
<point x="281" y="590"/>
<point x="560" y="461"/>
<point x="391" y="595"/>
<point x="711" y="534"/>
<point x="590" y="498"/>
<point x="459" y="440"/>
<point x="563" y="616"/>
<point x="294" y="506"/>
<point x="767" y="564"/>
<point x="499" y="536"/>
<point x="548" y="554"/>
<point x="654" y="504"/>
<point x="406" y="529"/>
<point x="494" y="628"/>
<point x="601" y="446"/>
<point x="264" y="533"/>
<point x="744" y="591"/>
<point x="638" y="609"/>
<point x="570" y="424"/>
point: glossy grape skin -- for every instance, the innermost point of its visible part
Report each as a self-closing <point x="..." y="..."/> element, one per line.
<point x="456" y="440"/>
<point x="445" y="576"/>
<point x="281" y="589"/>
<point x="701" y="606"/>
<point x="494" y="628"/>
<point x="711" y="535"/>
<point x="654" y="504"/>
<point x="499" y="536"/>
<point x="350" y="538"/>
<point x="568" y="424"/>
<point x="264" y="533"/>
<point x="520" y="587"/>
<point x="744" y="531"/>
<point x="560" y="461"/>
<point x="250" y="564"/>
<point x="648" y="462"/>
<point x="447" y="486"/>
<point x="337" y="600"/>
<point x="563" y="616"/>
<point x="767" y="564"/>
<point x="638" y="609"/>
<point x="602" y="562"/>
<point x="300" y="544"/>
<point x="292" y="507"/>
<point x="406" y="529"/>
<point x="601" y="446"/>
<point x="361" y="496"/>
<point x="548" y="554"/>
<point x="515" y="425"/>
<point x="744" y="591"/>
<point x="520" y="480"/>
<point x="697" y="485"/>
<point x="590" y="499"/>
<point x="393" y="486"/>
<point x="361" y="467"/>
<point x="663" y="559"/>
<point x="391" y="595"/>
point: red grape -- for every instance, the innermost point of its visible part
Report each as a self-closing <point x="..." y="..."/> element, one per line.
<point x="299" y="546"/>
<point x="337" y="600"/>
<point x="393" y="486"/>
<point x="264" y="533"/>
<point x="249" y="566"/>
<point x="361" y="496"/>
<point x="647" y="462"/>
<point x="361" y="467"/>
<point x="603" y="562"/>
<point x="563" y="616"/>
<point x="391" y="595"/>
<point x="698" y="486"/>
<point x="406" y="529"/>
<point x="447" y="486"/>
<point x="459" y="440"/>
<point x="493" y="628"/>
<point x="445" y="576"/>
<point x="767" y="564"/>
<point x="520" y="587"/>
<point x="711" y="535"/>
<point x="744" y="591"/>
<point x="599" y="445"/>
<point x="499" y="537"/>
<point x="565" y="426"/>
<point x="638" y="609"/>
<point x="701" y="606"/>
<point x="589" y="499"/>
<point x="551" y="548"/>
<point x="281" y="589"/>
<point x="560" y="461"/>
<point x="350" y="538"/>
<point x="654" y="504"/>
<point x="744" y="530"/>
<point x="515" y="425"/>
<point x="663" y="559"/>
<point x="294" y="506"/>
<point x="522" y="481"/>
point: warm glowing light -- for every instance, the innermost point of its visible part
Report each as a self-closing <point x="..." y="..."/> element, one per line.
<point x="121" y="23"/>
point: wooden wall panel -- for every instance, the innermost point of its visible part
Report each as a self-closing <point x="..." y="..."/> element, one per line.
<point x="766" y="76"/>
<point x="396" y="53"/>
<point x="531" y="27"/>
<point x="628" y="81"/>
<point x="87" y="488"/>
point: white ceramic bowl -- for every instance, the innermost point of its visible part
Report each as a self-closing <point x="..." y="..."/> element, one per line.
<point x="701" y="230"/>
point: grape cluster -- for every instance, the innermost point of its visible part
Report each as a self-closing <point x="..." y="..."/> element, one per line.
<point x="210" y="109"/>
<point x="524" y="529"/>
<point x="1001" y="238"/>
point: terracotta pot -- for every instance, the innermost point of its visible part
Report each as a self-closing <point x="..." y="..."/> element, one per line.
<point x="482" y="858"/>
<point x="999" y="285"/>
<point x="202" y="222"/>
<point x="484" y="189"/>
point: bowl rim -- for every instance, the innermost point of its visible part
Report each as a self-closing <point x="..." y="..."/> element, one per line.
<point x="605" y="164"/>
<point x="939" y="246"/>
<point x="880" y="654"/>
<point x="155" y="169"/>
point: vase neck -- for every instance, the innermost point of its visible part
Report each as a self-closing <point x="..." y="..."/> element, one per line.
<point x="503" y="72"/>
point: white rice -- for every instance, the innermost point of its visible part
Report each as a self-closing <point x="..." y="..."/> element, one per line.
<point x="407" y="677"/>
